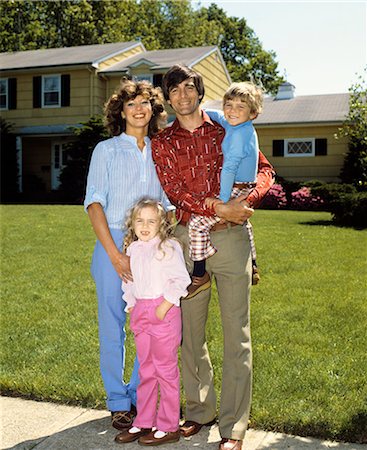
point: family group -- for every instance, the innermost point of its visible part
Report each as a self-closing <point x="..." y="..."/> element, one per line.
<point x="170" y="207"/>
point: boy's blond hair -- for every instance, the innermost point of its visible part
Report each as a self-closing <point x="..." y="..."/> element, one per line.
<point x="249" y="93"/>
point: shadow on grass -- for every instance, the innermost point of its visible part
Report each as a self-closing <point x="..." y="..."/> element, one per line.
<point x="330" y="223"/>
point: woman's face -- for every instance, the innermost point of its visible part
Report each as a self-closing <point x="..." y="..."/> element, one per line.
<point x="137" y="113"/>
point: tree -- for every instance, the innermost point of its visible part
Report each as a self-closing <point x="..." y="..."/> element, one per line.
<point x="160" y="24"/>
<point x="354" y="169"/>
<point x="73" y="176"/>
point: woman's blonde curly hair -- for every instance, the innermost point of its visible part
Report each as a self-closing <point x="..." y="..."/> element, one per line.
<point x="164" y="228"/>
<point x="129" y="90"/>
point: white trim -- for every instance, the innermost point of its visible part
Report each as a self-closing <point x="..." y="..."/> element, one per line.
<point x="6" y="94"/>
<point x="43" y="91"/>
<point x="299" y="155"/>
<point x="140" y="62"/>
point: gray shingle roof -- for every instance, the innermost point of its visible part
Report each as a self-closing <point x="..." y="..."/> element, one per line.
<point x="84" y="54"/>
<point x="302" y="109"/>
<point x="163" y="59"/>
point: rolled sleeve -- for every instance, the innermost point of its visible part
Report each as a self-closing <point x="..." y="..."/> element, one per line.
<point x="97" y="181"/>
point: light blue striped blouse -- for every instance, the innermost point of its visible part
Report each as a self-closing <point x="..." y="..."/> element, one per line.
<point x="120" y="175"/>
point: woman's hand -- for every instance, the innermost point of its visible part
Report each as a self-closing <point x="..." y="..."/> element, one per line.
<point x="162" y="309"/>
<point x="121" y="263"/>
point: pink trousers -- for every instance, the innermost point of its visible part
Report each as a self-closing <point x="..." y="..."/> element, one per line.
<point x="157" y="342"/>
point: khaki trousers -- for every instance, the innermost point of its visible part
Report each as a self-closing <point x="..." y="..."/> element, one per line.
<point x="231" y="268"/>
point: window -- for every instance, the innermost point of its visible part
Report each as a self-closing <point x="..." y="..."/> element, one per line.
<point x="8" y="93"/>
<point x="144" y="76"/>
<point x="4" y="94"/>
<point x="299" y="147"/>
<point x="51" y="90"/>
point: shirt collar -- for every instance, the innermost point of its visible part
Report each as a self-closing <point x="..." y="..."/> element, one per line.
<point x="149" y="244"/>
<point x="133" y="139"/>
<point x="206" y="120"/>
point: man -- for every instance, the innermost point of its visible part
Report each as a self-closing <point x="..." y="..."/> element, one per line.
<point x="188" y="159"/>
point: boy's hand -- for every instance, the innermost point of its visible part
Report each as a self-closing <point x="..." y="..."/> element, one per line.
<point x="162" y="309"/>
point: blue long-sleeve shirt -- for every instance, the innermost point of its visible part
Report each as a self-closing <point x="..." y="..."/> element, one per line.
<point x="119" y="175"/>
<point x="240" y="151"/>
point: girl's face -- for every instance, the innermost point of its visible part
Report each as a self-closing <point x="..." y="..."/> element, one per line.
<point x="236" y="111"/>
<point x="137" y="113"/>
<point x="146" y="223"/>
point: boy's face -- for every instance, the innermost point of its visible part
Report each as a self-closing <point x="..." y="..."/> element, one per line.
<point x="236" y="111"/>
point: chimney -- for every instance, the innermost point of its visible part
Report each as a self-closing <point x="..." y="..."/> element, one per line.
<point x="286" y="91"/>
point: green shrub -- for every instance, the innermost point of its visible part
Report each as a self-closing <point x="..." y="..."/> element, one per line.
<point x="350" y="210"/>
<point x="330" y="192"/>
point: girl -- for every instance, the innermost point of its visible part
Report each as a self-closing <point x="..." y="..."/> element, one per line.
<point x="153" y="297"/>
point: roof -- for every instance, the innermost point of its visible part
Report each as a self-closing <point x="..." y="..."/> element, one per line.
<point x="163" y="59"/>
<point x="83" y="54"/>
<point x="302" y="109"/>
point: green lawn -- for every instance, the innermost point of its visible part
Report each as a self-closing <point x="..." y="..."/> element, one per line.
<point x="309" y="318"/>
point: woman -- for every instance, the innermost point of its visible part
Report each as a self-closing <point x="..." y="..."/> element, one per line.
<point x="120" y="173"/>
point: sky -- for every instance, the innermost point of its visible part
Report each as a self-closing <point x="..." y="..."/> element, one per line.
<point x="321" y="47"/>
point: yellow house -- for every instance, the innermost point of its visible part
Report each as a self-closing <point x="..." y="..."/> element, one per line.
<point x="45" y="92"/>
<point x="297" y="134"/>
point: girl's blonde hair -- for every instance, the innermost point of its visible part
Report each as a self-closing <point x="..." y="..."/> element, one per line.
<point x="164" y="228"/>
<point x="249" y="93"/>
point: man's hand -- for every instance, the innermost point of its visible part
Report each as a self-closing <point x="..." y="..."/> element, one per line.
<point x="236" y="210"/>
<point x="121" y="263"/>
<point x="212" y="202"/>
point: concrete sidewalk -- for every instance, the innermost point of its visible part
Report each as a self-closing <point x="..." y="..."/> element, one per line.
<point x="28" y="424"/>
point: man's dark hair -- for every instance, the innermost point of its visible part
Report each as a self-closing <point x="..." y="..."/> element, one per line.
<point x="179" y="73"/>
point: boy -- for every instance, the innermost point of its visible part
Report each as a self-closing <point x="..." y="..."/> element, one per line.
<point x="241" y="105"/>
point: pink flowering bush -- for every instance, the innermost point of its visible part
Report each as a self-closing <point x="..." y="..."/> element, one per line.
<point x="275" y="198"/>
<point x="304" y="200"/>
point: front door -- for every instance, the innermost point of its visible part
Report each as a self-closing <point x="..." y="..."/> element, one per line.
<point x="58" y="160"/>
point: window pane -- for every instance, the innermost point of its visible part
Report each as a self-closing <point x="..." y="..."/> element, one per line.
<point x="2" y="86"/>
<point x="51" y="98"/>
<point x="51" y="84"/>
<point x="2" y="101"/>
<point x="300" y="148"/>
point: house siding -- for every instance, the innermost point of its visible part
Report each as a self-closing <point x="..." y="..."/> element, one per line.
<point x="213" y="72"/>
<point x="120" y="57"/>
<point x="324" y="168"/>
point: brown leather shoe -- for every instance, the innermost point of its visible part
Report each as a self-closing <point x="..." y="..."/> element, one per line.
<point x="197" y="285"/>
<point x="170" y="437"/>
<point x="189" y="428"/>
<point x="126" y="436"/>
<point x="232" y="444"/>
<point x="123" y="419"/>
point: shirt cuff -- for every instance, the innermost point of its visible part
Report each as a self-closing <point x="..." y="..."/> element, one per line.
<point x="93" y="197"/>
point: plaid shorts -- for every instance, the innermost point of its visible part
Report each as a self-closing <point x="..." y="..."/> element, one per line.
<point x="199" y="232"/>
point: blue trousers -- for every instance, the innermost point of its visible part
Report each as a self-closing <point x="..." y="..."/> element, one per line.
<point x="112" y="335"/>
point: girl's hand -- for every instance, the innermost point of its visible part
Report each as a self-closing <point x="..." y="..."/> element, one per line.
<point x="162" y="309"/>
<point x="130" y="309"/>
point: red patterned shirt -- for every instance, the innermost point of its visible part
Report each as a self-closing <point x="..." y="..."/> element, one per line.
<point x="189" y="164"/>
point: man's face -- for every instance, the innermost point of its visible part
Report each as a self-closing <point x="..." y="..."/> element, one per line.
<point x="184" y="98"/>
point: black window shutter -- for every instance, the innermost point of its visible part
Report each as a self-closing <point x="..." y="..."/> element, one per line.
<point x="320" y="147"/>
<point x="278" y="148"/>
<point x="157" y="80"/>
<point x="65" y="90"/>
<point x="37" y="92"/>
<point x="12" y="90"/>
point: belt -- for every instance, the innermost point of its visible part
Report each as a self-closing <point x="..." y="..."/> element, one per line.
<point x="216" y="227"/>
<point x="244" y="185"/>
